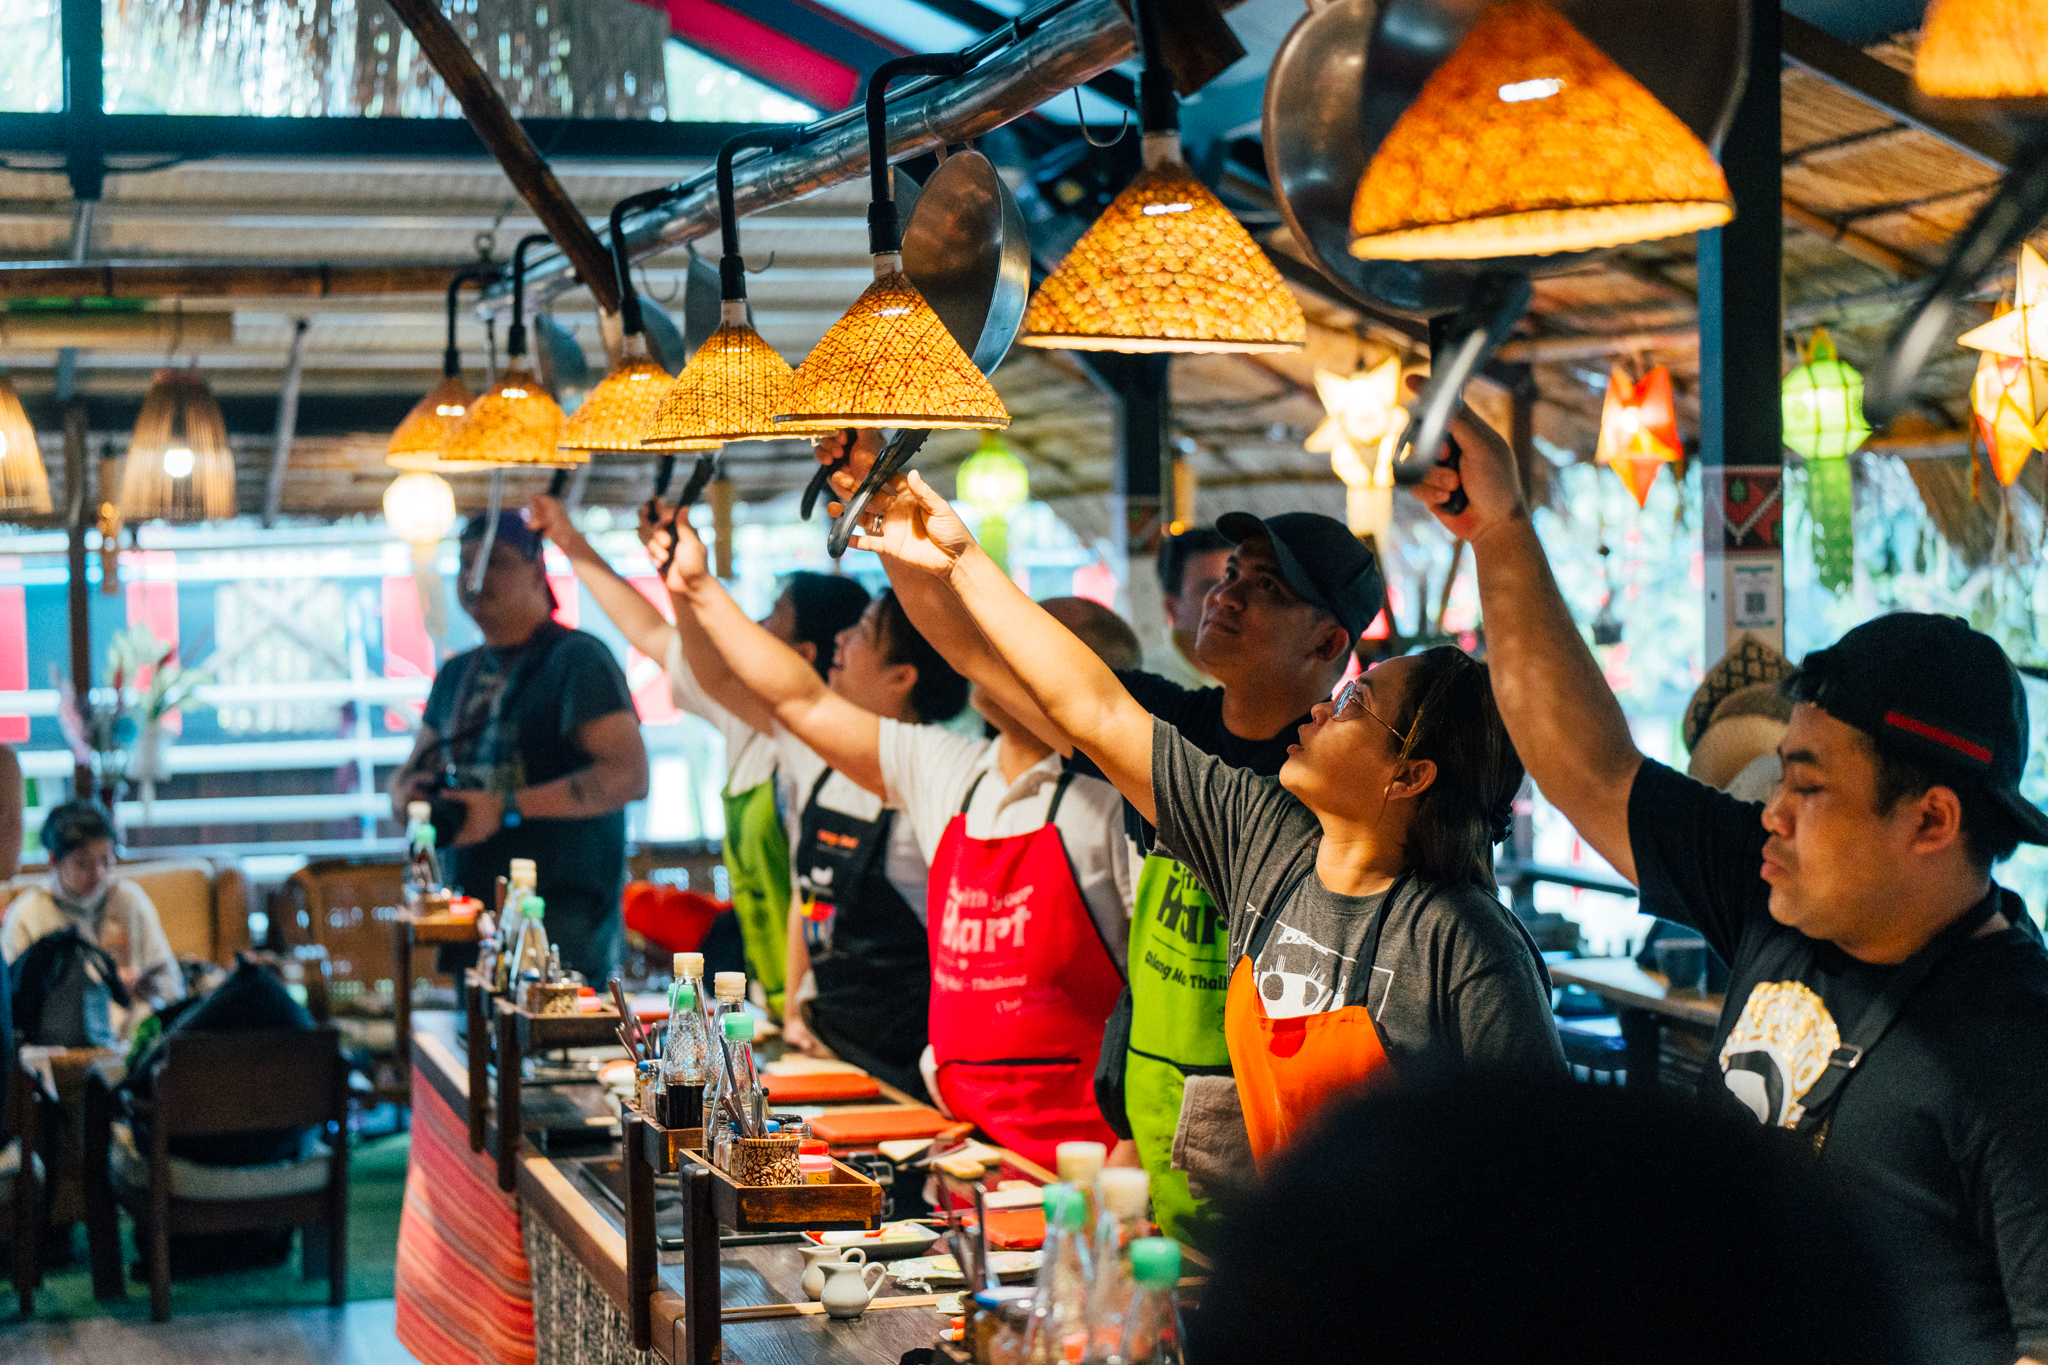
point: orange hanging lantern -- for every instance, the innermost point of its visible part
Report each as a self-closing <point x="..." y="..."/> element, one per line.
<point x="1638" y="429"/>
<point x="2010" y="401"/>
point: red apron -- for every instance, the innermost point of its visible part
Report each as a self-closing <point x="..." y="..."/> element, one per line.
<point x="1288" y="1069"/>
<point x="1021" y="987"/>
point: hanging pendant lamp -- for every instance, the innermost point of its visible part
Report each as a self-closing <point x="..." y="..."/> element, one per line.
<point x="1638" y="429"/>
<point x="614" y="414"/>
<point x="514" y="422"/>
<point x="24" y="479"/>
<point x="1983" y="50"/>
<point x="1527" y="141"/>
<point x="735" y="383"/>
<point x="1166" y="267"/>
<point x="179" y="466"/>
<point x="890" y="362"/>
<point x="1823" y="416"/>
<point x="422" y="438"/>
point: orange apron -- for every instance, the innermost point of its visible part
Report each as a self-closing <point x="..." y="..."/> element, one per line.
<point x="1288" y="1069"/>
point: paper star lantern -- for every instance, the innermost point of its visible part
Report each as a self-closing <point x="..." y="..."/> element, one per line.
<point x="2010" y="401"/>
<point x="2023" y="330"/>
<point x="1529" y="140"/>
<point x="1360" y="407"/>
<point x="1638" y="429"/>
<point x="1364" y="425"/>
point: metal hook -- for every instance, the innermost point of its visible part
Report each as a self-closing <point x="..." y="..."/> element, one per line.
<point x="1081" y="116"/>
<point x="647" y="289"/>
<point x="764" y="269"/>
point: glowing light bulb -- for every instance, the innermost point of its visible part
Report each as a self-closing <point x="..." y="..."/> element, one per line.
<point x="178" y="461"/>
<point x="1520" y="92"/>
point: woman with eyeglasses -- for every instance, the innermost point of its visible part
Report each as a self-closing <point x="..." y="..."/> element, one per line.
<point x="110" y="912"/>
<point x="1367" y="937"/>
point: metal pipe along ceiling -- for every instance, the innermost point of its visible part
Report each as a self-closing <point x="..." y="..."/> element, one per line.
<point x="1083" y="39"/>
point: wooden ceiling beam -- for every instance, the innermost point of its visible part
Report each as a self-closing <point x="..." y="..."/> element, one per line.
<point x="1868" y="250"/>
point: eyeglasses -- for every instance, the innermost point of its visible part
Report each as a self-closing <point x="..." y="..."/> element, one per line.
<point x="1353" y="694"/>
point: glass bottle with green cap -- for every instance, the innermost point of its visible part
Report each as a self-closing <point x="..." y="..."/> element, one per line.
<point x="1151" y="1326"/>
<point x="1058" y="1334"/>
<point x="530" y="963"/>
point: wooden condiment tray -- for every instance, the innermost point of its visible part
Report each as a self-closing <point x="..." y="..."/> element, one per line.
<point x="849" y="1202"/>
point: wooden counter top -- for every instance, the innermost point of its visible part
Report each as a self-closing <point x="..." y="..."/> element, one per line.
<point x="767" y="1318"/>
<point x="1620" y="981"/>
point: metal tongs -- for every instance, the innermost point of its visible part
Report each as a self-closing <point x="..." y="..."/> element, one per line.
<point x="971" y="1255"/>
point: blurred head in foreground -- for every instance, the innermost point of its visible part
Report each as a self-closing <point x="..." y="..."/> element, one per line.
<point x="1496" y="1220"/>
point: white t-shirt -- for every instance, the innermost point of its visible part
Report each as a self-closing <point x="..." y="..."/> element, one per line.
<point x="749" y="754"/>
<point x="128" y="928"/>
<point x="929" y="769"/>
<point x="906" y="861"/>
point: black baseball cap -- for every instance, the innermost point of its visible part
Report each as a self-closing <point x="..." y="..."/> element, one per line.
<point x="513" y="530"/>
<point x="1938" y="691"/>
<point x="1321" y="560"/>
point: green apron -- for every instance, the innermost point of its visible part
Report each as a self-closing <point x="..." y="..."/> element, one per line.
<point x="757" y="860"/>
<point x="1180" y="975"/>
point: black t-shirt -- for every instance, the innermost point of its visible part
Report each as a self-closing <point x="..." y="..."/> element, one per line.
<point x="552" y="686"/>
<point x="1198" y="714"/>
<point x="1940" y="1138"/>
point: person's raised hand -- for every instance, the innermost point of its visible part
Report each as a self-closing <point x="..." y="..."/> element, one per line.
<point x="689" y="565"/>
<point x="1486" y="471"/>
<point x="548" y="517"/>
<point x="861" y="454"/>
<point x="654" y="515"/>
<point x="920" y="529"/>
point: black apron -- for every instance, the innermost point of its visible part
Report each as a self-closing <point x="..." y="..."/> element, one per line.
<point x="869" y="954"/>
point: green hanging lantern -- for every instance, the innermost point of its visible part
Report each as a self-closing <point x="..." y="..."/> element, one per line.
<point x="1823" y="414"/>
<point x="994" y="482"/>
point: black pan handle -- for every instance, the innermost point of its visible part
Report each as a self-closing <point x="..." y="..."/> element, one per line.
<point x="886" y="467"/>
<point x="1495" y="305"/>
<point x="2013" y="212"/>
<point x="559" y="484"/>
<point x="822" y="480"/>
<point x="692" y="490"/>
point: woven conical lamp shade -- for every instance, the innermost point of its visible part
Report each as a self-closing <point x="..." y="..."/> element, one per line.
<point x="730" y="391"/>
<point x="1527" y="141"/>
<point x="422" y="437"/>
<point x="179" y="465"/>
<point x="24" y="480"/>
<point x="513" y="422"/>
<point x="890" y="362"/>
<point x="1165" y="268"/>
<point x="614" y="413"/>
<point x="1983" y="50"/>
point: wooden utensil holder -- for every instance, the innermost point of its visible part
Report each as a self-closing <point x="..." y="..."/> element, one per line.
<point x="848" y="1202"/>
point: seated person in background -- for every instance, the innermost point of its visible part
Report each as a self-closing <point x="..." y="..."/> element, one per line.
<point x="1504" y="1219"/>
<point x="82" y="893"/>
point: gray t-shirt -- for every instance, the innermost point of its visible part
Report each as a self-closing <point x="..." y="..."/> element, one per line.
<point x="1456" y="981"/>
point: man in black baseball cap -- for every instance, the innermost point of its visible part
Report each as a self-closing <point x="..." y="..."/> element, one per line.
<point x="1887" y="1001"/>
<point x="1320" y="560"/>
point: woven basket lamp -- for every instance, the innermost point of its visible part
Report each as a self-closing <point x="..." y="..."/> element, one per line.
<point x="422" y="437"/>
<point x="616" y="412"/>
<point x="735" y="383"/>
<point x="179" y="465"/>
<point x="24" y="480"/>
<point x="1528" y="141"/>
<point x="890" y="362"/>
<point x="1983" y="50"/>
<point x="515" y="422"/>
<point x="1166" y="267"/>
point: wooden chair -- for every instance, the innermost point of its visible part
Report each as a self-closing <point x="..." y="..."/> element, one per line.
<point x="22" y="1130"/>
<point x="351" y="909"/>
<point x="209" y="1084"/>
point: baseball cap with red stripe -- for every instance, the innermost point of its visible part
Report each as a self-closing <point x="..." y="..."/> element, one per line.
<point x="1933" y="690"/>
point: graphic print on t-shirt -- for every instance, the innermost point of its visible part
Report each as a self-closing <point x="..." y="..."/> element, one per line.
<point x="1777" y="1049"/>
<point x="1296" y="976"/>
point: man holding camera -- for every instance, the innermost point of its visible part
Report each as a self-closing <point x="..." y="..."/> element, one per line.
<point x="530" y="748"/>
